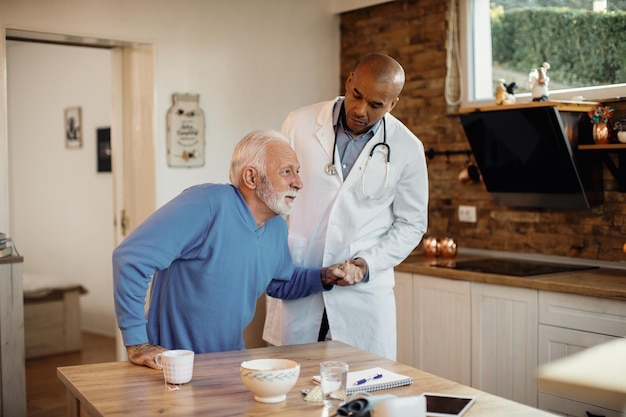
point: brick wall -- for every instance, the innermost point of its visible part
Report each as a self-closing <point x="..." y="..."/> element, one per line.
<point x="414" y="33"/>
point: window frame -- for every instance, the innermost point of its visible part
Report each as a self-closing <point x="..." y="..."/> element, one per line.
<point x="475" y="91"/>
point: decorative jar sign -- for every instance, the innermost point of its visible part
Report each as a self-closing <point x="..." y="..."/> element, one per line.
<point x="185" y="131"/>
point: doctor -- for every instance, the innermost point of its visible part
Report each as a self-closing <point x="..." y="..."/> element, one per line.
<point x="366" y="201"/>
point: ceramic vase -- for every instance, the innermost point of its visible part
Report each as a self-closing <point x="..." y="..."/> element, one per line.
<point x="601" y="133"/>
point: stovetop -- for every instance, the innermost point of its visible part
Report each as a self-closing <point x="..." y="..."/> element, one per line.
<point x="513" y="267"/>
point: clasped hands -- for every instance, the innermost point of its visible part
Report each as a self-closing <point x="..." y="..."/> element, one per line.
<point x="350" y="272"/>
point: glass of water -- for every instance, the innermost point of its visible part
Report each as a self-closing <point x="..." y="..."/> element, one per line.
<point x="333" y="376"/>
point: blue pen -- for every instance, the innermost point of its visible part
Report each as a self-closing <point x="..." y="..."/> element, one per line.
<point x="364" y="380"/>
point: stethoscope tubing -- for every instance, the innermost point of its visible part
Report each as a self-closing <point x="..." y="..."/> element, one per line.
<point x="332" y="170"/>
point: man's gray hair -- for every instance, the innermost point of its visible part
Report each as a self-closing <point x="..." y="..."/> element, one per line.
<point x="251" y="152"/>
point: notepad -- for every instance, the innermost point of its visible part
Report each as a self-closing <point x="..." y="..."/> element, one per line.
<point x="388" y="380"/>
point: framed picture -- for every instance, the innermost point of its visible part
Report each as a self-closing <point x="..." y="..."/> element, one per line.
<point x="73" y="128"/>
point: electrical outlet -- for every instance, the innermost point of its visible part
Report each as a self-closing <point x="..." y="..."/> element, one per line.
<point x="467" y="214"/>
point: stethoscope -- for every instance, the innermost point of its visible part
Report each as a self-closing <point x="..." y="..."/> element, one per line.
<point x="331" y="170"/>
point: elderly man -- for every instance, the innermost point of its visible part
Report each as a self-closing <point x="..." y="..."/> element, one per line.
<point x="210" y="253"/>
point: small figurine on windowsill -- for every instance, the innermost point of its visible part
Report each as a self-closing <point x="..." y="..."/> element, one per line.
<point x="505" y="93"/>
<point x="539" y="82"/>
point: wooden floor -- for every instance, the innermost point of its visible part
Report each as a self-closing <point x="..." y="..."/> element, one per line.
<point x="45" y="393"/>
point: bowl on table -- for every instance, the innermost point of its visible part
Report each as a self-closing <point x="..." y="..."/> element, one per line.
<point x="269" y="379"/>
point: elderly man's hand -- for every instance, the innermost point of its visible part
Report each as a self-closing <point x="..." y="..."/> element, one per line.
<point x="331" y="275"/>
<point x="144" y="354"/>
<point x="355" y="270"/>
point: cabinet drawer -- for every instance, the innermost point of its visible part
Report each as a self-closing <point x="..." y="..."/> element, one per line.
<point x="571" y="408"/>
<point x="591" y="314"/>
<point x="557" y="342"/>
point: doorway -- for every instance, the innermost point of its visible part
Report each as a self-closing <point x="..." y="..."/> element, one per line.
<point x="130" y="106"/>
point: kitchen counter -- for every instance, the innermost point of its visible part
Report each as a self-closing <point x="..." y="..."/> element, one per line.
<point x="600" y="282"/>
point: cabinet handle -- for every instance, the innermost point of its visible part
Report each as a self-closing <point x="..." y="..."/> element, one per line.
<point x="592" y="415"/>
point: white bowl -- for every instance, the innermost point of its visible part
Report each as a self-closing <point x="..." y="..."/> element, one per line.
<point x="269" y="379"/>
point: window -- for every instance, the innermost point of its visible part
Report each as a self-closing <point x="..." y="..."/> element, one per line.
<point x="480" y="71"/>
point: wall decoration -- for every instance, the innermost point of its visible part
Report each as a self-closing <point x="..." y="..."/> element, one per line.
<point x="185" y="131"/>
<point x="103" y="149"/>
<point x="73" y="128"/>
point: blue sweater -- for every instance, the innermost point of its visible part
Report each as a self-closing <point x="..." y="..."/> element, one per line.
<point x="210" y="263"/>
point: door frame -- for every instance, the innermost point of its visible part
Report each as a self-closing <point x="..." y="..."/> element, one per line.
<point x="132" y="129"/>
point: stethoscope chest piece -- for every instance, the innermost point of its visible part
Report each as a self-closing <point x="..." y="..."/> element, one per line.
<point x="331" y="170"/>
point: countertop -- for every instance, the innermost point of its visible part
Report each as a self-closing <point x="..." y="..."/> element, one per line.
<point x="11" y="259"/>
<point x="601" y="282"/>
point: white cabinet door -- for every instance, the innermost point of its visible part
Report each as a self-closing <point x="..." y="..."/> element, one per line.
<point x="504" y="341"/>
<point x="441" y="332"/>
<point x="571" y="324"/>
<point x="404" y="320"/>
<point x="557" y="342"/>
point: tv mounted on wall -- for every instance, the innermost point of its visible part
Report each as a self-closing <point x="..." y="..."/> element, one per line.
<point x="526" y="159"/>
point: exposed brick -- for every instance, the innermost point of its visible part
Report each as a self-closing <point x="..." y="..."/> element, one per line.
<point x="414" y="33"/>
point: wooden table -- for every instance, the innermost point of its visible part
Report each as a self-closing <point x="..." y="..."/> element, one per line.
<point x="124" y="389"/>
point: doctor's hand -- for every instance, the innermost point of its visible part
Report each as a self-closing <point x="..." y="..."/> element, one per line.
<point x="355" y="270"/>
<point x="144" y="354"/>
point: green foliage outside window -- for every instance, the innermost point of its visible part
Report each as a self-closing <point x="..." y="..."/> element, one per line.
<point x="583" y="48"/>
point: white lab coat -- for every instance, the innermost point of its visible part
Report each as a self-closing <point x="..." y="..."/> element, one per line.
<point x="331" y="222"/>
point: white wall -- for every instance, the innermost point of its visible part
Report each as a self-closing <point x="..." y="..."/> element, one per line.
<point x="62" y="208"/>
<point x="251" y="61"/>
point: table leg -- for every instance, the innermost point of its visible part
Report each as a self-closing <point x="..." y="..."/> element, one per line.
<point x="73" y="405"/>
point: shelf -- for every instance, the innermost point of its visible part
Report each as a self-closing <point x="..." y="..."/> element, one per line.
<point x="618" y="171"/>
<point x="610" y="146"/>
<point x="561" y="105"/>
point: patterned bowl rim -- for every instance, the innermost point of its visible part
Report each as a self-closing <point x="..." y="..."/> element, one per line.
<point x="282" y="365"/>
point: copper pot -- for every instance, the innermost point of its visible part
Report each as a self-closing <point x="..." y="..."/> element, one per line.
<point x="447" y="247"/>
<point x="431" y="246"/>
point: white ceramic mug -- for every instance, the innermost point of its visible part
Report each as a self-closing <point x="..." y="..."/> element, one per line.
<point x="177" y="365"/>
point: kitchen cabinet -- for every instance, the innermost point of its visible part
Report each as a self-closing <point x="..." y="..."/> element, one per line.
<point x="403" y="291"/>
<point x="571" y="323"/>
<point x="496" y="336"/>
<point x="12" y="356"/>
<point x="434" y="325"/>
<point x="477" y="334"/>
<point x="504" y="341"/>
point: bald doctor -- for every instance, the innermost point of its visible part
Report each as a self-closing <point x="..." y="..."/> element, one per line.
<point x="366" y="201"/>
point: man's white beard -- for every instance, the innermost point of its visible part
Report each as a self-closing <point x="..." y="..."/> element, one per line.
<point x="275" y="200"/>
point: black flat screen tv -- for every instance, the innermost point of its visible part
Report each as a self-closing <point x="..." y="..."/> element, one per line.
<point x="526" y="159"/>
